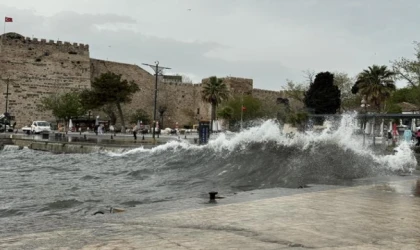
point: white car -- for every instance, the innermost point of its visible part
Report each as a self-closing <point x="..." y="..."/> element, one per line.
<point x="38" y="127"/>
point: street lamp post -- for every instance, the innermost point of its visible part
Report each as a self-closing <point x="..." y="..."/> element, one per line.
<point x="157" y="69"/>
<point x="364" y="105"/>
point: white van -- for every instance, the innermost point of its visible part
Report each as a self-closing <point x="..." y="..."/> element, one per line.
<point x="38" y="127"/>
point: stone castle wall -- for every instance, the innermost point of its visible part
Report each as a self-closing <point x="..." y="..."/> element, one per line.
<point x="267" y="96"/>
<point x="181" y="99"/>
<point x="236" y="85"/>
<point x="36" y="68"/>
<point x="142" y="99"/>
<point x="184" y="104"/>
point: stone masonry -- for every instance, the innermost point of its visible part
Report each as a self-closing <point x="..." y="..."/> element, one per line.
<point x="35" y="68"/>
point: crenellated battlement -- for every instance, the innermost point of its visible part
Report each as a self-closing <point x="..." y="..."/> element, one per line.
<point x="237" y="78"/>
<point x="267" y="91"/>
<point x="17" y="39"/>
<point x="182" y="84"/>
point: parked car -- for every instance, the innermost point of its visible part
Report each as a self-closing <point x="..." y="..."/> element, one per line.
<point x="38" y="127"/>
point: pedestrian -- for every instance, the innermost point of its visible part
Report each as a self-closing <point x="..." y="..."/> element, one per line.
<point x="112" y="129"/>
<point x="408" y="135"/>
<point x="101" y="129"/>
<point x="418" y="137"/>
<point x="135" y="128"/>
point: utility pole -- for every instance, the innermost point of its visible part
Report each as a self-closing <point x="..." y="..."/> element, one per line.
<point x="7" y="94"/>
<point x="158" y="70"/>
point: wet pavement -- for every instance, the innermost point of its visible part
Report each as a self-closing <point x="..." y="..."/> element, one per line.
<point x="384" y="215"/>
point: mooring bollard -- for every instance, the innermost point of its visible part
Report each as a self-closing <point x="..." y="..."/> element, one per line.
<point x="213" y="196"/>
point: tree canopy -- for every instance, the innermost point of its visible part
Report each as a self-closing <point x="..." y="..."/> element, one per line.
<point x="344" y="82"/>
<point x="140" y="115"/>
<point x="231" y="110"/>
<point x="214" y="92"/>
<point x="409" y="69"/>
<point x="63" y="105"/>
<point x="109" y="88"/>
<point x="376" y="84"/>
<point x="323" y="97"/>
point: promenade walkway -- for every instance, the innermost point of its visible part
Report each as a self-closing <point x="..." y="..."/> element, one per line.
<point x="381" y="216"/>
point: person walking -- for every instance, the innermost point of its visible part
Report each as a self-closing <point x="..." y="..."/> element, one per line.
<point x="135" y="128"/>
<point x="112" y="129"/>
<point x="408" y="135"/>
<point x="418" y="137"/>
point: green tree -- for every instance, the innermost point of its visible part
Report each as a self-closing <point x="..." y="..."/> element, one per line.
<point x="109" y="88"/>
<point x="408" y="94"/>
<point x="409" y="69"/>
<point x="140" y="115"/>
<point x="295" y="91"/>
<point x="323" y="97"/>
<point x="231" y="110"/>
<point x="345" y="83"/>
<point x="109" y="110"/>
<point x="214" y="92"/>
<point x="393" y="108"/>
<point x="63" y="106"/>
<point x="225" y="112"/>
<point x="375" y="83"/>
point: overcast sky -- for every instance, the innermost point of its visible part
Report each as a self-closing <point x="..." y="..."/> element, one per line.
<point x="267" y="40"/>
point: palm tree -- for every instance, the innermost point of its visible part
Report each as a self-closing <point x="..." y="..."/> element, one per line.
<point x="214" y="92"/>
<point x="375" y="83"/>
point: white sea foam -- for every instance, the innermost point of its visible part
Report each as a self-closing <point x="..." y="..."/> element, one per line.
<point x="341" y="134"/>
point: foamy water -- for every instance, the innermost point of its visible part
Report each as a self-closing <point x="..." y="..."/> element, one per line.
<point x="270" y="131"/>
<point x="43" y="191"/>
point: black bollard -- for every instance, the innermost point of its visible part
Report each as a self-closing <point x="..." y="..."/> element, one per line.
<point x="112" y="137"/>
<point x="84" y="137"/>
<point x="185" y="136"/>
<point x="80" y="132"/>
<point x="142" y="137"/>
<point x="213" y="196"/>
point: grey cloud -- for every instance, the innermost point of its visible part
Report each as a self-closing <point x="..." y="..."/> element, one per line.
<point x="285" y="37"/>
<point x="135" y="48"/>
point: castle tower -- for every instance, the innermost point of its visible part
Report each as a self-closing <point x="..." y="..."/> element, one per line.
<point x="35" y="68"/>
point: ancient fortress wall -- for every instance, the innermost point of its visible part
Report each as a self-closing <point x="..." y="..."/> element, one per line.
<point x="236" y="85"/>
<point x="36" y="68"/>
<point x="267" y="96"/>
<point x="143" y="99"/>
<point x="184" y="104"/>
<point x="181" y="99"/>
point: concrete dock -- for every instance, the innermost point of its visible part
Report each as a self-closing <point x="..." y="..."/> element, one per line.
<point x="379" y="216"/>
